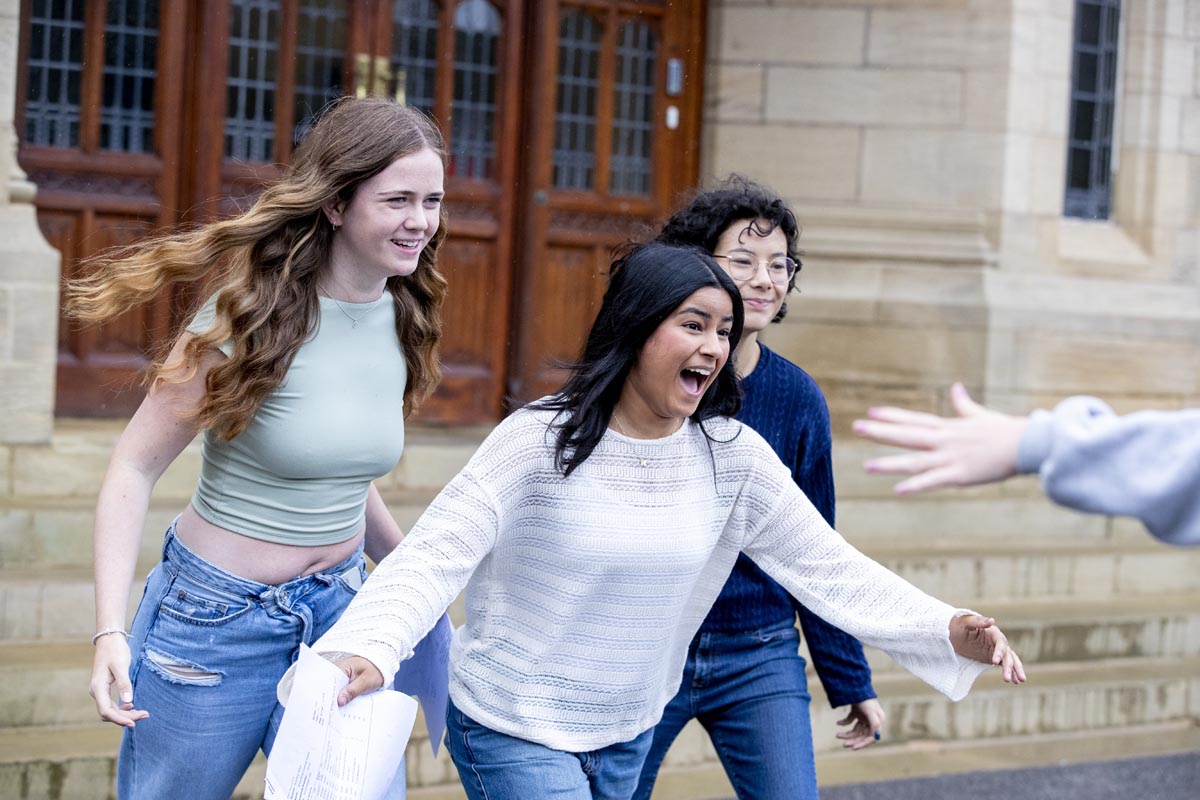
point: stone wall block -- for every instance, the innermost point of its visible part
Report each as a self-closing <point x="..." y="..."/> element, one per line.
<point x="27" y="400"/>
<point x="735" y="93"/>
<point x="887" y="98"/>
<point x="933" y="37"/>
<point x="1097" y="365"/>
<point x="933" y="168"/>
<point x="755" y="35"/>
<point x="1047" y="176"/>
<point x="803" y="163"/>
<point x="1054" y="47"/>
<point x="885" y="353"/>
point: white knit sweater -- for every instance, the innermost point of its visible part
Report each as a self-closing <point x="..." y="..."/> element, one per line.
<point x="583" y="594"/>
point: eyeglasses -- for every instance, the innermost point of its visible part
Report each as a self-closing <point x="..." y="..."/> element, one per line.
<point x="743" y="268"/>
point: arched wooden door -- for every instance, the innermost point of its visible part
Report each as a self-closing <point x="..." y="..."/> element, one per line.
<point x="140" y="114"/>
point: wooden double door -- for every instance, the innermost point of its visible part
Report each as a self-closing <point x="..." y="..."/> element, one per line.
<point x="572" y="124"/>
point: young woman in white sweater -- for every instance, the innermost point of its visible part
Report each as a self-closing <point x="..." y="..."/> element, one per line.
<point x="593" y="530"/>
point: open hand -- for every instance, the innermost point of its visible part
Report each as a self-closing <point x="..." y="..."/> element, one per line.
<point x="977" y="446"/>
<point x="364" y="677"/>
<point x="867" y="717"/>
<point x="978" y="639"/>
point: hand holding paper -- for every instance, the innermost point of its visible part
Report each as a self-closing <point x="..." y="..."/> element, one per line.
<point x="327" y="752"/>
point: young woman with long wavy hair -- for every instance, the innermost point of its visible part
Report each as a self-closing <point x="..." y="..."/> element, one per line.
<point x="593" y="530"/>
<point x="318" y="338"/>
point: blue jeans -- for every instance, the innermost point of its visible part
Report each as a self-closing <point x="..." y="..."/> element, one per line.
<point x="749" y="691"/>
<point x="207" y="650"/>
<point x="495" y="766"/>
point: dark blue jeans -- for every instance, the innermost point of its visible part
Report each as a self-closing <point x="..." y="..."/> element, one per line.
<point x="496" y="766"/>
<point x="749" y="691"/>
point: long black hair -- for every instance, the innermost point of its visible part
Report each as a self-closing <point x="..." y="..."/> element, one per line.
<point x="646" y="284"/>
<point x="709" y="213"/>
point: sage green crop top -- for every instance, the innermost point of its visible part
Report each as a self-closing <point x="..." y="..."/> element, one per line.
<point x="300" y="472"/>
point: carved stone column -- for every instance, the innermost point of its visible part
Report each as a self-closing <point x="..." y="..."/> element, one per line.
<point x="29" y="275"/>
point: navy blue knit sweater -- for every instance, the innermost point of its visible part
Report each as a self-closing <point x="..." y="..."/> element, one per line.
<point x="787" y="408"/>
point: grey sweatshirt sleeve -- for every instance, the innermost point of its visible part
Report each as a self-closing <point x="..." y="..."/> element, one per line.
<point x="1144" y="465"/>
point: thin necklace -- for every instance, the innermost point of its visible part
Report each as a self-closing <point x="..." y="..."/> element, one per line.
<point x="353" y="319"/>
<point x="621" y="430"/>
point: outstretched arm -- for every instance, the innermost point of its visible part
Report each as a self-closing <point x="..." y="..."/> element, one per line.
<point x="1142" y="465"/>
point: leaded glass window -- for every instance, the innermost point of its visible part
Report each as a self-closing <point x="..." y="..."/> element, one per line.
<point x="52" y="102"/>
<point x="414" y="52"/>
<point x="253" y="68"/>
<point x="633" y="109"/>
<point x="130" y="64"/>
<point x="574" y="157"/>
<point x="1093" y="97"/>
<point x="473" y="126"/>
<point x="320" y="50"/>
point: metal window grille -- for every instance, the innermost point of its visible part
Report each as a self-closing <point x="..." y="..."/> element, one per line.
<point x="253" y="69"/>
<point x="574" y="157"/>
<point x="130" y="70"/>
<point x="414" y="52"/>
<point x="1093" y="96"/>
<point x="320" y="50"/>
<point x="473" y="115"/>
<point x="633" y="110"/>
<point x="55" y="73"/>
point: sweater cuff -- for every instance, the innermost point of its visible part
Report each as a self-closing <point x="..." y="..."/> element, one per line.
<point x="846" y="696"/>
<point x="1034" y="447"/>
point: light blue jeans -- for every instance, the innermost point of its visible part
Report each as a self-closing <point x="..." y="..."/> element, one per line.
<point x="749" y="691"/>
<point x="495" y="766"/>
<point x="207" y="650"/>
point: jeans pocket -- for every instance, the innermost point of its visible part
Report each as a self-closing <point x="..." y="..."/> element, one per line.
<point x="777" y="634"/>
<point x="193" y="601"/>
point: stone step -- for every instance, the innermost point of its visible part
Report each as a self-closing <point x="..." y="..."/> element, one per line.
<point x="1151" y="626"/>
<point x="78" y="762"/>
<point x="998" y="571"/>
<point x="45" y="682"/>
<point x="74" y="462"/>
<point x="697" y="775"/>
<point x="57" y="532"/>
<point x="1058" y="698"/>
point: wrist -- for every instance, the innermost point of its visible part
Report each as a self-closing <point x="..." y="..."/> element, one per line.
<point x="106" y="632"/>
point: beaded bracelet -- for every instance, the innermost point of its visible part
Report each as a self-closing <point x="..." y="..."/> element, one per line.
<point x="107" y="631"/>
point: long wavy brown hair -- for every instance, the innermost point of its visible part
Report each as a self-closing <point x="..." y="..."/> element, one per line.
<point x="267" y="263"/>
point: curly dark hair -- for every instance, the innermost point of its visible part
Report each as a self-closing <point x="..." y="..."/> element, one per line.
<point x="646" y="284"/>
<point x="710" y="212"/>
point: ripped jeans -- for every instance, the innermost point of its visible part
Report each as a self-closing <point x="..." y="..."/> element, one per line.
<point x="207" y="650"/>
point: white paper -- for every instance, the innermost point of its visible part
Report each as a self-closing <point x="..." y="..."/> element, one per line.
<point x="323" y="752"/>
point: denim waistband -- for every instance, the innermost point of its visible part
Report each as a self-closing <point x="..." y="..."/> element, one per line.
<point x="177" y="554"/>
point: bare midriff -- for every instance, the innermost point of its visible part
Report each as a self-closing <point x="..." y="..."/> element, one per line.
<point x="256" y="560"/>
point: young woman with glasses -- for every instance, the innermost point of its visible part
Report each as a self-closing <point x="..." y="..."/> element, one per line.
<point x="744" y="679"/>
<point x="592" y="532"/>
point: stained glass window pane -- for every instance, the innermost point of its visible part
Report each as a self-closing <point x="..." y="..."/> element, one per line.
<point x="130" y="69"/>
<point x="320" y="51"/>
<point x="574" y="158"/>
<point x="1093" y="100"/>
<point x="473" y="128"/>
<point x="253" y="70"/>
<point x="414" y="52"/>
<point x="55" y="73"/>
<point x="633" y="110"/>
